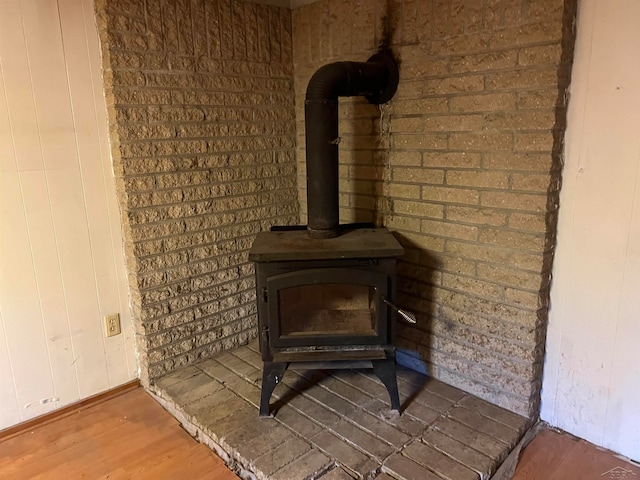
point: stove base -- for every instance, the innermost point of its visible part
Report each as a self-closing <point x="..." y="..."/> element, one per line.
<point x="384" y="369"/>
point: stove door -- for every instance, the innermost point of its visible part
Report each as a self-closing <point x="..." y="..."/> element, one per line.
<point x="327" y="306"/>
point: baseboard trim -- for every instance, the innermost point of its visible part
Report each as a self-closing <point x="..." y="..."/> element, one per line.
<point x="68" y="410"/>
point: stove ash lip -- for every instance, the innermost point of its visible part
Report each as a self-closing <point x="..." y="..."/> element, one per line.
<point x="377" y="79"/>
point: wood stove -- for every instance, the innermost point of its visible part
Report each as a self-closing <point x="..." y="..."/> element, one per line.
<point x="321" y="303"/>
<point x="325" y="291"/>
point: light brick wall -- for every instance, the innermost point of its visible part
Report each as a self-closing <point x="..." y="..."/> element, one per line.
<point x="463" y="165"/>
<point x="200" y="96"/>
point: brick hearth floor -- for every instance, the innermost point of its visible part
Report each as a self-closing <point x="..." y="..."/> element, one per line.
<point x="336" y="425"/>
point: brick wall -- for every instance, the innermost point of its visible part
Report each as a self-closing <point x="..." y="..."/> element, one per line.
<point x="463" y="165"/>
<point x="200" y="97"/>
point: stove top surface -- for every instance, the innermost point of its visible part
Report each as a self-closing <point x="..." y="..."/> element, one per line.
<point x="297" y="245"/>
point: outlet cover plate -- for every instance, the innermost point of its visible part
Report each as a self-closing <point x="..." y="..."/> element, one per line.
<point x="112" y="324"/>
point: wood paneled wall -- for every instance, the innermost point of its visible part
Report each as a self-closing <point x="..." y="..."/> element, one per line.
<point x="592" y="372"/>
<point x="61" y="255"/>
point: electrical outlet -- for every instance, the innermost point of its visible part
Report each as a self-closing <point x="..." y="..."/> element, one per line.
<point x="112" y="324"/>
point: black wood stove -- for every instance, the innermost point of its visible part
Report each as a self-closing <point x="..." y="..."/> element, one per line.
<point x="321" y="303"/>
<point x="325" y="291"/>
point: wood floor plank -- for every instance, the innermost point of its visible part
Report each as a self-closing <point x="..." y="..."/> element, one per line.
<point x="126" y="437"/>
<point x="559" y="456"/>
<point x="545" y="450"/>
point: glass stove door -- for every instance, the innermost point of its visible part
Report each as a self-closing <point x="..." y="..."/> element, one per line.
<point x="330" y="306"/>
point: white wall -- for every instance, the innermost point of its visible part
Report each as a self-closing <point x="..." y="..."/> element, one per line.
<point x="592" y="371"/>
<point x="61" y="256"/>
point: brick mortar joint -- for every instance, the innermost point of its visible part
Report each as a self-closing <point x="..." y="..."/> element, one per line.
<point x="191" y="338"/>
<point x="200" y="349"/>
<point x="190" y="308"/>
<point x="474" y="330"/>
<point x="189" y="279"/>
<point x="488" y="386"/>
<point x="148" y="334"/>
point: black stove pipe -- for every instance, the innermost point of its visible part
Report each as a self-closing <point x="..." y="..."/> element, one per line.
<point x="377" y="80"/>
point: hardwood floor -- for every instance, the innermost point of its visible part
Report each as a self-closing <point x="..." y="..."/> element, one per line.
<point x="559" y="456"/>
<point x="129" y="436"/>
<point x="132" y="437"/>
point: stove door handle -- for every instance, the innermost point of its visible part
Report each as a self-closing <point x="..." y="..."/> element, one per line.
<point x="407" y="316"/>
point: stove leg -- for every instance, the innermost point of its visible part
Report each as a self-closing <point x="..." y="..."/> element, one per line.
<point x="272" y="374"/>
<point x="385" y="370"/>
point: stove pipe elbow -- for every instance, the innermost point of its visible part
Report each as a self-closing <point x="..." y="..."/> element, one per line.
<point x="377" y="80"/>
